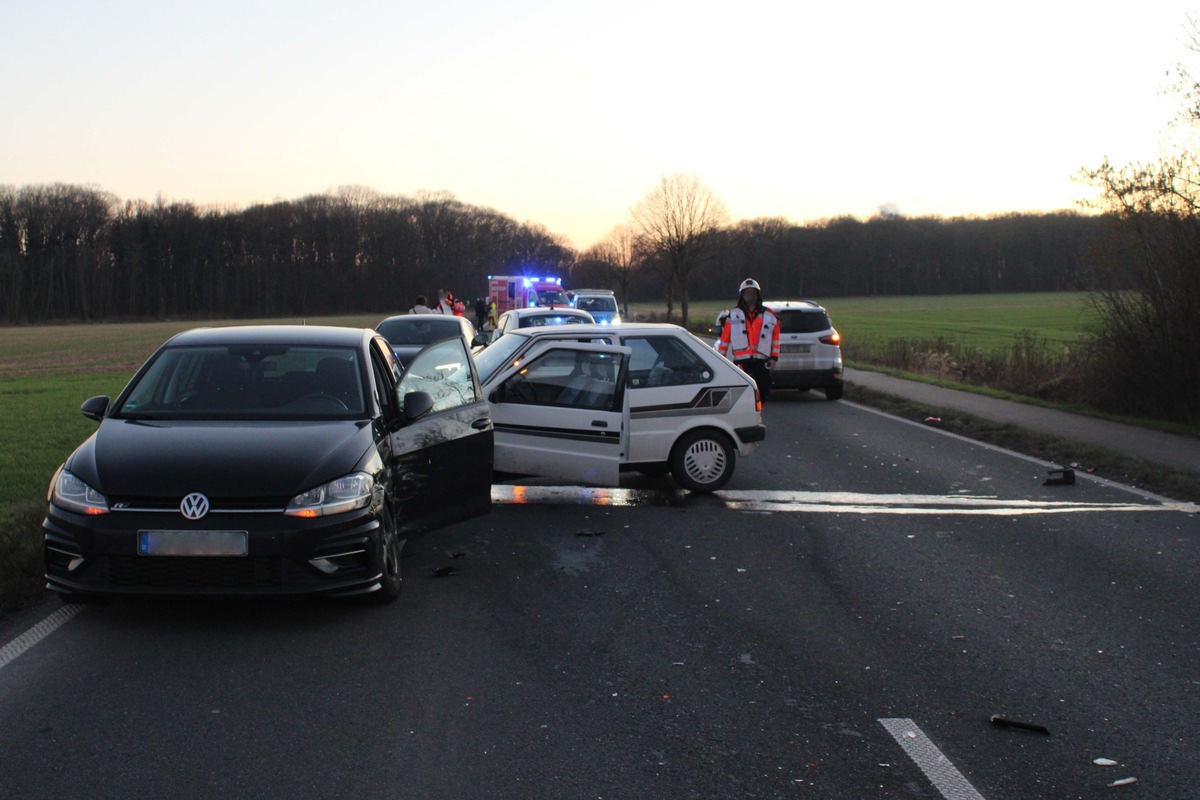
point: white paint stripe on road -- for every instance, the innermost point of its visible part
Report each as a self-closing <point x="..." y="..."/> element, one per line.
<point x="821" y="502"/>
<point x="35" y="634"/>
<point x="941" y="773"/>
<point x="1080" y="475"/>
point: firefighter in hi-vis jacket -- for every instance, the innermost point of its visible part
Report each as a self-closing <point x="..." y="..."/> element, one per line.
<point x="750" y="336"/>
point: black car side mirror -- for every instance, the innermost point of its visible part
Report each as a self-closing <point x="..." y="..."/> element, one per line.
<point x="479" y="341"/>
<point x="417" y="405"/>
<point x="94" y="407"/>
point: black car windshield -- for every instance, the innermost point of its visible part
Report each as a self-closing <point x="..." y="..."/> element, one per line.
<point x="418" y="330"/>
<point x="248" y="381"/>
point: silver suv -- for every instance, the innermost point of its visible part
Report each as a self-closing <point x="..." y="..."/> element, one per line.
<point x="810" y="353"/>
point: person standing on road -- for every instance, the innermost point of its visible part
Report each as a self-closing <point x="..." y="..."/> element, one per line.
<point x="420" y="306"/>
<point x="493" y="315"/>
<point x="480" y="313"/>
<point x="445" y="303"/>
<point x="750" y="336"/>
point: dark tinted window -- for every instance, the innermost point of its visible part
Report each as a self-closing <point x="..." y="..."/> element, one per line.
<point x="418" y="330"/>
<point x="792" y="321"/>
<point x="249" y="381"/>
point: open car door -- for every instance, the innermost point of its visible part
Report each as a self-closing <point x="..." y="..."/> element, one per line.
<point x="561" y="412"/>
<point x="443" y="456"/>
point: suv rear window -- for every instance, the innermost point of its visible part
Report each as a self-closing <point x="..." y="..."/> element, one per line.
<point x="803" y="321"/>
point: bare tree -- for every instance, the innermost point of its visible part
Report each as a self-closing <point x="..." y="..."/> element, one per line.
<point x="617" y="255"/>
<point x="678" y="222"/>
<point x="1147" y="281"/>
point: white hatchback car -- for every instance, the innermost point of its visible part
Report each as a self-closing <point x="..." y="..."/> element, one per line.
<point x="586" y="402"/>
<point x="537" y="317"/>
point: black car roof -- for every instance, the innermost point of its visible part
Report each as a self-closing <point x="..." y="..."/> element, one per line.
<point x="274" y="334"/>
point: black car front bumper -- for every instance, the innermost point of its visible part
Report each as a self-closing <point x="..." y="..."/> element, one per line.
<point x="285" y="555"/>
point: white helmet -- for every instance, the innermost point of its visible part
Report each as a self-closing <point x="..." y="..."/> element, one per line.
<point x="749" y="283"/>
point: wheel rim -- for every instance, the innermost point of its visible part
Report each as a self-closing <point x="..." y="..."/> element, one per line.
<point x="704" y="461"/>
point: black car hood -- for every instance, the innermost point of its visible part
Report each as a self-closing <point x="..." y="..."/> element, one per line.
<point x="169" y="459"/>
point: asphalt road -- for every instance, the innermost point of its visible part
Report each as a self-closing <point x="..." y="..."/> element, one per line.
<point x="861" y="600"/>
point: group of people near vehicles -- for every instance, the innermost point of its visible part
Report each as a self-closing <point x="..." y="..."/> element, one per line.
<point x="485" y="313"/>
<point x="749" y="330"/>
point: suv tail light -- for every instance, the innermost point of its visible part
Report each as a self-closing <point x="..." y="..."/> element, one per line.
<point x="834" y="339"/>
<point x="757" y="400"/>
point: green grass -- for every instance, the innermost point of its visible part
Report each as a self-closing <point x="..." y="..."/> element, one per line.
<point x="986" y="321"/>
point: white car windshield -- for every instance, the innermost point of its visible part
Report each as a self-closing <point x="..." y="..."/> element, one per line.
<point x="498" y="353"/>
<point x="596" y="303"/>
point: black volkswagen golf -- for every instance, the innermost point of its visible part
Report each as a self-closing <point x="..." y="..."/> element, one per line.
<point x="269" y="460"/>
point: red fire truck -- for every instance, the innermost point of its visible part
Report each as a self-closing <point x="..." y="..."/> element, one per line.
<point x="523" y="291"/>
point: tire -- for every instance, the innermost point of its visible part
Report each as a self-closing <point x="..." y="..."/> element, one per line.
<point x="703" y="461"/>
<point x="834" y="392"/>
<point x="391" y="545"/>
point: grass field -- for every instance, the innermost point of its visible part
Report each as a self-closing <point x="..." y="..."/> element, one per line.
<point x="986" y="321"/>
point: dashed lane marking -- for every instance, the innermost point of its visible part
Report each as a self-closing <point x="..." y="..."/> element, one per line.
<point x="35" y="634"/>
<point x="941" y="773"/>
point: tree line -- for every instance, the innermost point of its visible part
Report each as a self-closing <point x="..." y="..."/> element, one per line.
<point x="850" y="257"/>
<point x="71" y="252"/>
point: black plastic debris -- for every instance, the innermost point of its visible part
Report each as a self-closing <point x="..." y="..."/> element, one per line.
<point x="448" y="571"/>
<point x="1004" y="722"/>
<point x="589" y="532"/>
<point x="1060" y="477"/>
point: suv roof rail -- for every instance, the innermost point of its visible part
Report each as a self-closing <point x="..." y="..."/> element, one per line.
<point x="810" y="303"/>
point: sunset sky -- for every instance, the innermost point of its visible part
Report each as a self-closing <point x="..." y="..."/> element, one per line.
<point x="567" y="113"/>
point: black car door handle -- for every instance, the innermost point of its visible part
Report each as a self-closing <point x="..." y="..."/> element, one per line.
<point x="483" y="423"/>
<point x="599" y="423"/>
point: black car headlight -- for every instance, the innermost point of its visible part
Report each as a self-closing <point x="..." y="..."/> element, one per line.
<point x="74" y="495"/>
<point x="336" y="497"/>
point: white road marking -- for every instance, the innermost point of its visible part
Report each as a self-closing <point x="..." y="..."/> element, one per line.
<point x="941" y="773"/>
<point x="35" y="634"/>
<point x="822" y="502"/>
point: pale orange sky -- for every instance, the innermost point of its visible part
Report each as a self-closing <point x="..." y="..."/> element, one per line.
<point x="566" y="113"/>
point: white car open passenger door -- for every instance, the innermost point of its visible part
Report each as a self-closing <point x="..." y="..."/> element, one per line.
<point x="561" y="412"/>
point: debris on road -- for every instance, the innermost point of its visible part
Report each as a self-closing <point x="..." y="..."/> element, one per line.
<point x="448" y="571"/>
<point x="1105" y="762"/>
<point x="932" y="420"/>
<point x="1123" y="782"/>
<point x="1004" y="722"/>
<point x="589" y="532"/>
<point x="1064" y="476"/>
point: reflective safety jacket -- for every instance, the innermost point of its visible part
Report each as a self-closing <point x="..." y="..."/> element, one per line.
<point x="746" y="337"/>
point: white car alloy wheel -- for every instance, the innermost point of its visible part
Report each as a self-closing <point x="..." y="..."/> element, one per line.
<point x="703" y="461"/>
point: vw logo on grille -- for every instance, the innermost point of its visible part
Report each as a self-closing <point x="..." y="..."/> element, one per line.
<point x="194" y="506"/>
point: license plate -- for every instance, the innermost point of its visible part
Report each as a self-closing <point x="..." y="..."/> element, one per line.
<point x="191" y="543"/>
<point x="795" y="348"/>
